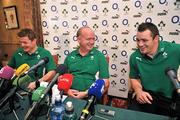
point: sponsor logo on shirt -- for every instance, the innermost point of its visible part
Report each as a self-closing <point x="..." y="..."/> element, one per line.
<point x="138" y="58"/>
<point x="72" y="57"/>
<point x="20" y="54"/>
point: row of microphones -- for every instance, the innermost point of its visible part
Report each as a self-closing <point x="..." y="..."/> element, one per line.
<point x="17" y="78"/>
<point x="64" y="83"/>
<point x="61" y="69"/>
<point x="95" y="92"/>
<point x="25" y="69"/>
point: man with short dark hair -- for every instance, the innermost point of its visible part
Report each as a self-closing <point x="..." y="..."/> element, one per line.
<point x="152" y="87"/>
<point x="31" y="54"/>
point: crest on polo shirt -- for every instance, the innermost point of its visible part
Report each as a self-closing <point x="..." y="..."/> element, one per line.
<point x="92" y="57"/>
<point x="38" y="57"/>
<point x="165" y="54"/>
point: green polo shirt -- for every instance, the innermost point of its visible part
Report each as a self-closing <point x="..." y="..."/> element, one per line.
<point x="84" y="68"/>
<point x="20" y="57"/>
<point x="151" y="71"/>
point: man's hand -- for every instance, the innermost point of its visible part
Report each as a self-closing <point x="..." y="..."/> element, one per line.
<point x="32" y="85"/>
<point x="76" y="94"/>
<point x="143" y="97"/>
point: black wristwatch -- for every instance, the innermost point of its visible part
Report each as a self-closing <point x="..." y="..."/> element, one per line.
<point x="37" y="83"/>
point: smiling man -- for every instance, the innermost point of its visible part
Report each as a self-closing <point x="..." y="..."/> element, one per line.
<point x="84" y="63"/>
<point x="153" y="89"/>
<point x="31" y="54"/>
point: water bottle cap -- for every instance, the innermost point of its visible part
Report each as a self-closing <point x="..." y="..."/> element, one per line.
<point x="69" y="106"/>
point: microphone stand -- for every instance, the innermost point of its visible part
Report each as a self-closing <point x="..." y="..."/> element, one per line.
<point x="91" y="111"/>
<point x="92" y="108"/>
<point x="10" y="98"/>
<point x="173" y="107"/>
<point x="30" y="94"/>
<point x="34" y="105"/>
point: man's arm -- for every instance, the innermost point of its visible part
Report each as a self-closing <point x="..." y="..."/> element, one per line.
<point x="141" y="96"/>
<point x="83" y="94"/>
<point x="46" y="78"/>
<point x="107" y="83"/>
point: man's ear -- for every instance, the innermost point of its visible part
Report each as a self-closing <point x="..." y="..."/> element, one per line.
<point x="78" y="39"/>
<point x="156" y="38"/>
<point x="34" y="41"/>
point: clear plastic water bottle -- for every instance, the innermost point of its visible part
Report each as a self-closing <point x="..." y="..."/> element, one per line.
<point x="69" y="112"/>
<point x="57" y="110"/>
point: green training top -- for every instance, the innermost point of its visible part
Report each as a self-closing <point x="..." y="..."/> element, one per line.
<point x="84" y="68"/>
<point x="151" y="71"/>
<point x="20" y="57"/>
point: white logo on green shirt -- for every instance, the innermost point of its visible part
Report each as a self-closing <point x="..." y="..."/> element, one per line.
<point x="38" y="56"/>
<point x="20" y="54"/>
<point x="72" y="57"/>
<point x="164" y="54"/>
<point x="92" y="57"/>
<point x="138" y="58"/>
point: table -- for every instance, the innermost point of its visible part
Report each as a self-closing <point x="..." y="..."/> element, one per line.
<point x="120" y="114"/>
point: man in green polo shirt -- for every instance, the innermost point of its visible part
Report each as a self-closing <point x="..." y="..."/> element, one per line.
<point x="84" y="63"/>
<point x="31" y="54"/>
<point x="152" y="87"/>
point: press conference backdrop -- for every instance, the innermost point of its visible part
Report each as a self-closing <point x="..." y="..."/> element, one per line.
<point x="114" y="23"/>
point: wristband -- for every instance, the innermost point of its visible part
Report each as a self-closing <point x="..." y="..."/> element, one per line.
<point x="37" y="83"/>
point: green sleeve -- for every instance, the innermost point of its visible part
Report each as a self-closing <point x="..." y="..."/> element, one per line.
<point x="103" y="67"/>
<point x="133" y="73"/>
<point x="12" y="61"/>
<point x="51" y="64"/>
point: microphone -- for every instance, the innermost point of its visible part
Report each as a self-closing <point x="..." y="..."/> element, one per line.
<point x="6" y="73"/>
<point x="36" y="96"/>
<point x="12" y="91"/>
<point x="20" y="81"/>
<point x="97" y="89"/>
<point x="64" y="83"/>
<point x="173" y="76"/>
<point x="95" y="92"/>
<point x="41" y="62"/>
<point x="20" y="70"/>
<point x="61" y="69"/>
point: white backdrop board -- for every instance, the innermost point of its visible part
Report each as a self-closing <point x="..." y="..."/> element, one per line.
<point x="114" y="23"/>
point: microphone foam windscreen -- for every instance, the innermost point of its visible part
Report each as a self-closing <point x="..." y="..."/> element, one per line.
<point x="97" y="88"/>
<point x="38" y="93"/>
<point x="22" y="69"/>
<point x="6" y="72"/>
<point x="65" y="82"/>
<point x="171" y="71"/>
<point x="61" y="69"/>
<point x="22" y="80"/>
<point x="46" y="59"/>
